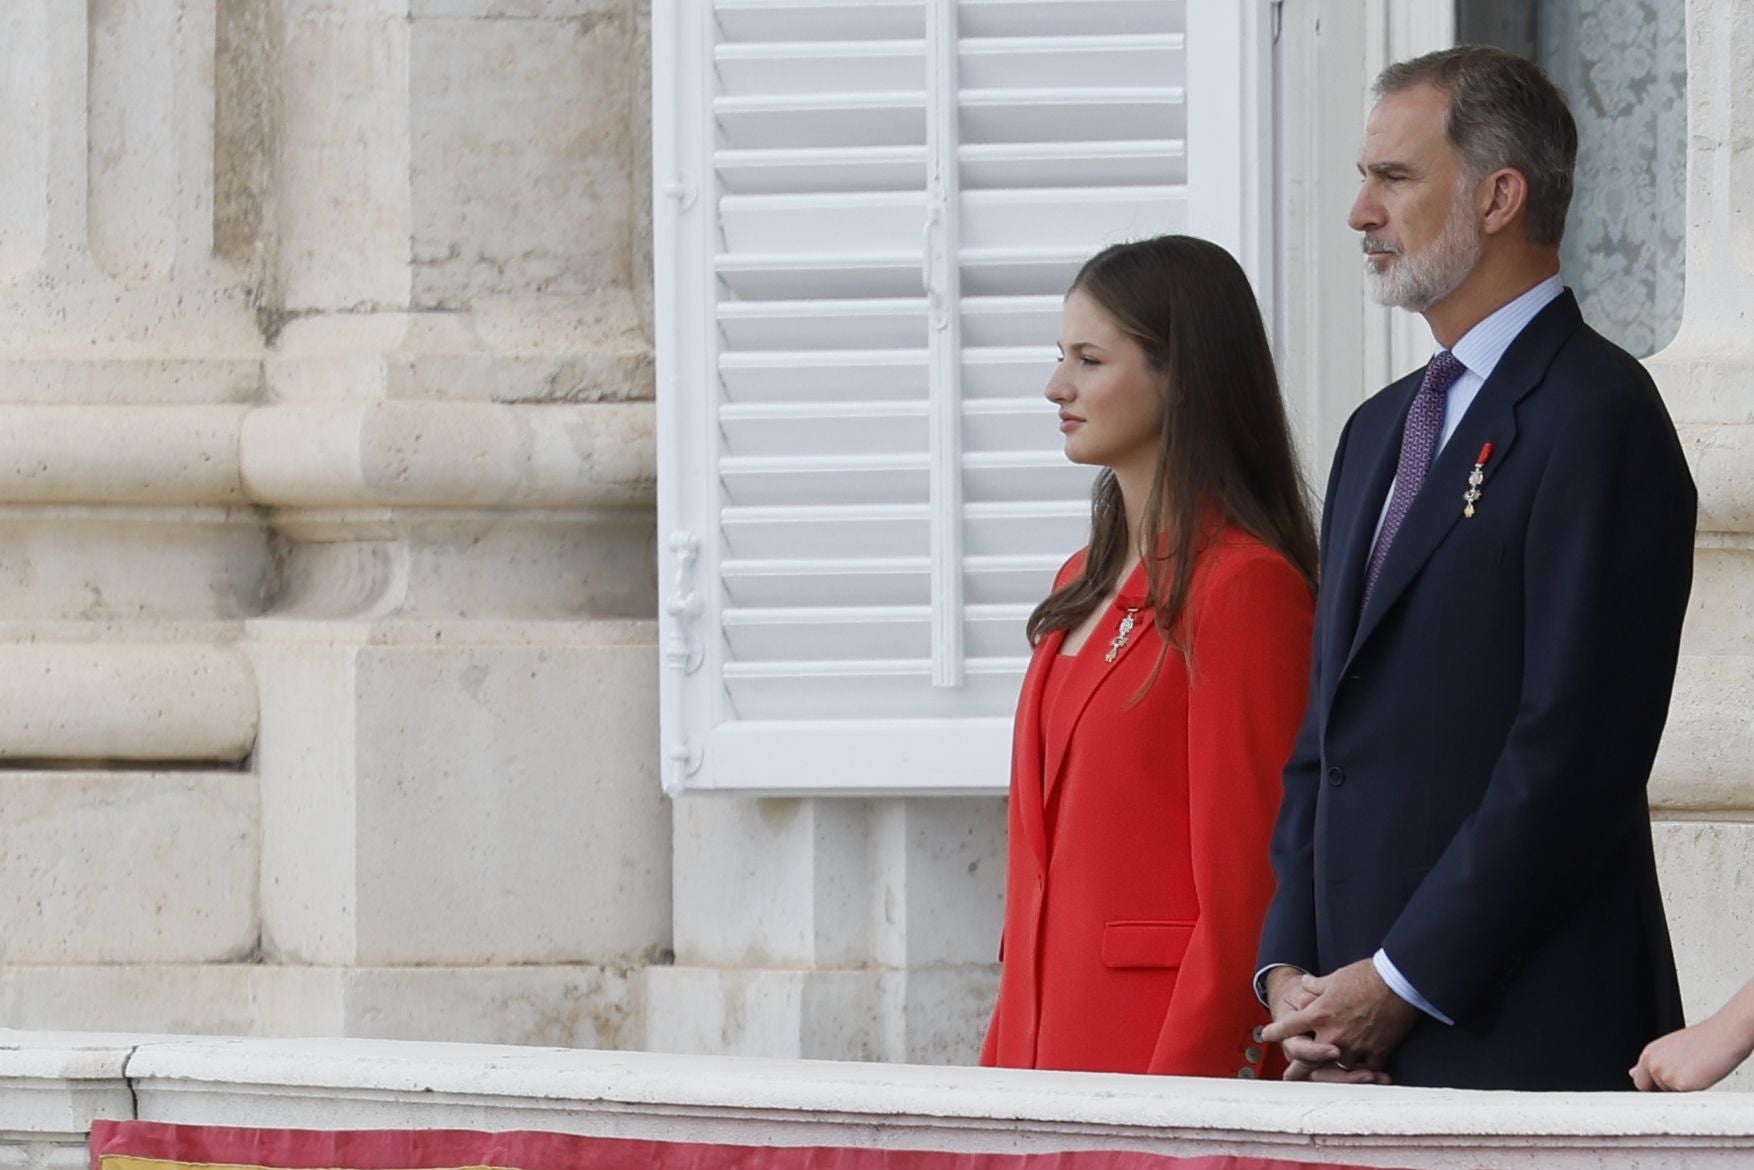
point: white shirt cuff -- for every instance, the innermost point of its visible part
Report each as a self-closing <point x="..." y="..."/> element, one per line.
<point x="1398" y="984"/>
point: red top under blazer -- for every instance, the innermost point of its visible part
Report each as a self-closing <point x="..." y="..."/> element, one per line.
<point x="1138" y="873"/>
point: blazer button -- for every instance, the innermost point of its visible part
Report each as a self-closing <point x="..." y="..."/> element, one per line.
<point x="1245" y="1073"/>
<point x="1336" y="776"/>
<point x="1252" y="1055"/>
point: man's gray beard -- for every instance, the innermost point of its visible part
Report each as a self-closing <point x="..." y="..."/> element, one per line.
<point x="1417" y="282"/>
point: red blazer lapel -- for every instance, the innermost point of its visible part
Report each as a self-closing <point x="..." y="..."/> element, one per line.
<point x="1091" y="669"/>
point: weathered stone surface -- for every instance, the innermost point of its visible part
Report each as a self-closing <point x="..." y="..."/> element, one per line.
<point x="1707" y="870"/>
<point x="126" y="701"/>
<point x="449" y="455"/>
<point x="555" y="1005"/>
<point x="813" y="1014"/>
<point x="521" y="159"/>
<point x="135" y="867"/>
<point x="488" y="818"/>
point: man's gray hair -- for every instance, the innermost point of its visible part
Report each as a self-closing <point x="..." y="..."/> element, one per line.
<point x="1504" y="111"/>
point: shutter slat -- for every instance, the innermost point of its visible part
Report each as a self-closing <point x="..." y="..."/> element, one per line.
<point x="805" y="224"/>
<point x="894" y="322"/>
<point x="852" y="634"/>
<point x="1037" y="115"/>
<point x="826" y="120"/>
<point x="824" y="376"/>
<point x="1060" y="219"/>
<point x="825" y="169"/>
<point x="798" y="277"/>
<point x="811" y="68"/>
<point x="807" y="20"/>
<point x="1015" y="63"/>
<point x="998" y="18"/>
<point x="1142" y="162"/>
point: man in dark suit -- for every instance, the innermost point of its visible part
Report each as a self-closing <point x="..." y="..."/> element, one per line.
<point x="1467" y="893"/>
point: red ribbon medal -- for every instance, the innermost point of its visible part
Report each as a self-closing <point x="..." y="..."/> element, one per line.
<point x="1476" y="477"/>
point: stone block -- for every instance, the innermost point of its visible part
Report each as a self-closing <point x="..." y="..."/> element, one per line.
<point x="930" y="1015"/>
<point x="941" y="876"/>
<point x="1702" y="764"/>
<point x="185" y="998"/>
<point x="135" y="867"/>
<point x="305" y="760"/>
<point x="342" y="197"/>
<point x="589" y="347"/>
<point x="519" y="176"/>
<point x="944" y="1013"/>
<point x="1720" y="611"/>
<point x="126" y="701"/>
<point x="452" y="455"/>
<point x="509" y="807"/>
<point x="518" y="9"/>
<point x="125" y="563"/>
<point x="437" y="801"/>
<point x="1707" y="870"/>
<point x="561" y="1005"/>
<point x="817" y="1015"/>
<point x="771" y="882"/>
<point x="566" y="1006"/>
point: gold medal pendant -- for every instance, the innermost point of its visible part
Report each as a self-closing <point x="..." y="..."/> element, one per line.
<point x="1121" y="635"/>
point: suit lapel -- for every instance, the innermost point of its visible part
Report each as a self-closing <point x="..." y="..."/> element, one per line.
<point x="1490" y="419"/>
<point x="1090" y="669"/>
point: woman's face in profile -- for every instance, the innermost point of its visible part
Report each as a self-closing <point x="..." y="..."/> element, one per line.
<point x="1111" y="410"/>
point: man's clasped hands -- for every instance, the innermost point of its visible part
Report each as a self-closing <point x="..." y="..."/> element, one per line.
<point x="1339" y="1027"/>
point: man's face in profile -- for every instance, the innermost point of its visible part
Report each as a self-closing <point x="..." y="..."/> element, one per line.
<point x="1422" y="235"/>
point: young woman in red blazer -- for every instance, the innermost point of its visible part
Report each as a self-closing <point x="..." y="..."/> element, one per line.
<point x="1167" y="682"/>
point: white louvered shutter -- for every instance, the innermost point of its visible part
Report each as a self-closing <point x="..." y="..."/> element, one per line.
<point x="868" y="213"/>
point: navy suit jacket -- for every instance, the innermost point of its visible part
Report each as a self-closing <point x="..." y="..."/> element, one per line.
<point x="1468" y="786"/>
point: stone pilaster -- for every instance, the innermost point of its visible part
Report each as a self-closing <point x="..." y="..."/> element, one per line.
<point x="1703" y="789"/>
<point x="458" y="753"/>
<point x="129" y="353"/>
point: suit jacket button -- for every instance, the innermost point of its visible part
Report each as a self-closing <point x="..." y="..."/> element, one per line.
<point x="1245" y="1073"/>
<point x="1252" y="1055"/>
<point x="1336" y="776"/>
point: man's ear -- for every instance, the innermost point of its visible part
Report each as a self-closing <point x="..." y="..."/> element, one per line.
<point x="1502" y="195"/>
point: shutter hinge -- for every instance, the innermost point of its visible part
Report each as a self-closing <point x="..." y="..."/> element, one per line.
<point x="681" y="191"/>
<point x="684" y="758"/>
<point x="682" y="652"/>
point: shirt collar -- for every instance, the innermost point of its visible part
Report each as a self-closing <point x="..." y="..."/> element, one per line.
<point x="1481" y="347"/>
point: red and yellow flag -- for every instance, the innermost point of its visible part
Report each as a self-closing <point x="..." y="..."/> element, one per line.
<point x="149" y="1145"/>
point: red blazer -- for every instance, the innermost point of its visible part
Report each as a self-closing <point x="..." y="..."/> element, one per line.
<point x="1130" y="936"/>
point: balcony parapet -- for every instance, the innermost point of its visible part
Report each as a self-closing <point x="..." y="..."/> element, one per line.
<point x="51" y="1085"/>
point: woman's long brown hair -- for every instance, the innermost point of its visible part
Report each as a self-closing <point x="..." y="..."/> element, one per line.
<point x="1225" y="452"/>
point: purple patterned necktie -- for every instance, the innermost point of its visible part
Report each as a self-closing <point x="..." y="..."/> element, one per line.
<point x="1418" y="446"/>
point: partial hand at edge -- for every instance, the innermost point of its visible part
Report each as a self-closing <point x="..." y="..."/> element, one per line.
<point x="1690" y="1059"/>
